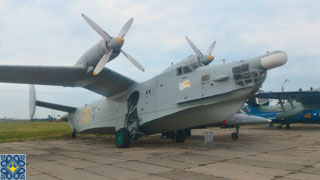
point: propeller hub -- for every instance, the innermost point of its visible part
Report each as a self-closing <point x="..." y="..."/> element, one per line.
<point x="120" y="40"/>
<point x="210" y="57"/>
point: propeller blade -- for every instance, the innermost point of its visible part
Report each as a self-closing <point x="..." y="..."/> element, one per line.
<point x="133" y="61"/>
<point x="195" y="49"/>
<point x="103" y="61"/>
<point x="209" y="51"/>
<point x="97" y="28"/>
<point x="125" y="28"/>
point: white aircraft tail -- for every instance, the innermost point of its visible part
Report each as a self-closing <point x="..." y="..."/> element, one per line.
<point x="262" y="101"/>
<point x="32" y="101"/>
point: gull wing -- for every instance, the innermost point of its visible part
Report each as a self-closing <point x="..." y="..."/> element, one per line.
<point x="305" y="97"/>
<point x="107" y="83"/>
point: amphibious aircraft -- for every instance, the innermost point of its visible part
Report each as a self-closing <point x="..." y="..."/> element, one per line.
<point x="187" y="94"/>
<point x="293" y="107"/>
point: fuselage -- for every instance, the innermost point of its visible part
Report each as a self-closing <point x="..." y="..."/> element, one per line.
<point x="185" y="95"/>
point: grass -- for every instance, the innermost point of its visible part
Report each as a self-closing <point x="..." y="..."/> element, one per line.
<point x="22" y="131"/>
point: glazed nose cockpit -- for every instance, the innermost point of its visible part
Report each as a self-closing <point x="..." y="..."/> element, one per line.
<point x="253" y="71"/>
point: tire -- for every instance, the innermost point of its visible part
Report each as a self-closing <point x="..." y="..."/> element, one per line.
<point x="123" y="138"/>
<point x="234" y="136"/>
<point x="180" y="136"/>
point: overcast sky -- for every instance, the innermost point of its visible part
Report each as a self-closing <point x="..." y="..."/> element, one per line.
<point x="38" y="32"/>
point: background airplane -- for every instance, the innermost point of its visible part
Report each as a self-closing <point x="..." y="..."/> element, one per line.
<point x="187" y="94"/>
<point x="293" y="107"/>
<point x="239" y="119"/>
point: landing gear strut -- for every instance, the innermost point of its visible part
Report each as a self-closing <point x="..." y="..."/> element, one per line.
<point x="74" y="134"/>
<point x="179" y="136"/>
<point x="287" y="126"/>
<point x="235" y="135"/>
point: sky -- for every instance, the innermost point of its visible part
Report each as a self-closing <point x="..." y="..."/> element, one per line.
<point x="39" y="32"/>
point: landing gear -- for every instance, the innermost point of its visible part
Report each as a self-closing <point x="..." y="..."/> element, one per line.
<point x="287" y="126"/>
<point x="270" y="124"/>
<point x="74" y="134"/>
<point x="280" y="126"/>
<point x="123" y="138"/>
<point x="235" y="135"/>
<point x="131" y="123"/>
<point x="188" y="132"/>
<point x="179" y="136"/>
<point x="168" y="134"/>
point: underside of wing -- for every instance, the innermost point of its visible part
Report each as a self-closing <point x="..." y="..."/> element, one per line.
<point x="107" y="83"/>
<point x="305" y="97"/>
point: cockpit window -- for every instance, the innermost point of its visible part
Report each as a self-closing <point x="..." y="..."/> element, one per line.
<point x="243" y="77"/>
<point x="183" y="70"/>
<point x="186" y="69"/>
<point x="179" y="71"/>
<point x="245" y="67"/>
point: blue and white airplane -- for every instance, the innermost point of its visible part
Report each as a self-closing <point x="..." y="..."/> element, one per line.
<point x="293" y="107"/>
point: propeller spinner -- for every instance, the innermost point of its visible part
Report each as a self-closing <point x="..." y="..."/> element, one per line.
<point x="114" y="44"/>
<point x="204" y="59"/>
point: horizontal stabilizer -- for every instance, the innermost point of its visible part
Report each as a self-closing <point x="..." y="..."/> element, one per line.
<point x="55" y="106"/>
<point x="33" y="102"/>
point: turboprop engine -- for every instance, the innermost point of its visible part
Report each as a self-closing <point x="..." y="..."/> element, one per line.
<point x="107" y="49"/>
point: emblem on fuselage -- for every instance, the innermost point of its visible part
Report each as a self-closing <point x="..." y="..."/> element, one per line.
<point x="184" y="85"/>
<point x="85" y="116"/>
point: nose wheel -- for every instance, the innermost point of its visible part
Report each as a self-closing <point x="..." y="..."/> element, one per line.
<point x="235" y="135"/>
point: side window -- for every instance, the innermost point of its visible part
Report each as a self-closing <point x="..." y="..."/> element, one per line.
<point x="179" y="71"/>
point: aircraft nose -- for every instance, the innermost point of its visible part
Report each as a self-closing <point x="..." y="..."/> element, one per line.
<point x="274" y="60"/>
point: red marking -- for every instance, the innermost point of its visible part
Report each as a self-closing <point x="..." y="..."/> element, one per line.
<point x="224" y="122"/>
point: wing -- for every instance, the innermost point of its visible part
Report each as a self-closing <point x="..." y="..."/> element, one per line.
<point x="305" y="97"/>
<point x="107" y="83"/>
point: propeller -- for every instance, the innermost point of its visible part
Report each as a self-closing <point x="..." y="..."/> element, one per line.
<point x="204" y="59"/>
<point x="114" y="44"/>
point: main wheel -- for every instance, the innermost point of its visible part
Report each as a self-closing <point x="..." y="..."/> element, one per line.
<point x="234" y="136"/>
<point x="180" y="136"/>
<point x="288" y="126"/>
<point x="123" y="138"/>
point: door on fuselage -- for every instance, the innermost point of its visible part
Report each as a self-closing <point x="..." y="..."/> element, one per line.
<point x="132" y="106"/>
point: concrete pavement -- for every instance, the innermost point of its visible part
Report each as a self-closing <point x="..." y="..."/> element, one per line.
<point x="260" y="153"/>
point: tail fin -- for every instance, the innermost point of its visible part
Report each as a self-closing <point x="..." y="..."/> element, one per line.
<point x="261" y="101"/>
<point x="32" y="101"/>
